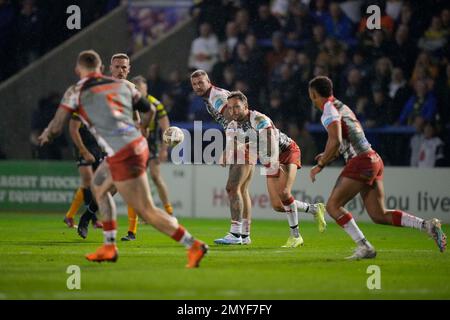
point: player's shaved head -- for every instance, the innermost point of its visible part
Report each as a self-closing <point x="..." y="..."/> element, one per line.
<point x="120" y="56"/>
<point x="200" y="82"/>
<point x="89" y="60"/>
<point x="199" y="73"/>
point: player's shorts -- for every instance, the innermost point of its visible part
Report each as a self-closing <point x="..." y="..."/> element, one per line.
<point x="98" y="155"/>
<point x="366" y="167"/>
<point x="292" y="155"/>
<point x="129" y="162"/>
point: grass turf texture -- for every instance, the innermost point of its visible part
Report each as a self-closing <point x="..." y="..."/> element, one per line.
<point x="36" y="249"/>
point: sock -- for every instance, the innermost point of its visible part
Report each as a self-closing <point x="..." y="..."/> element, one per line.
<point x="236" y="228"/>
<point x="87" y="194"/>
<point x="404" y="219"/>
<point x="184" y="237"/>
<point x="292" y="216"/>
<point x="132" y="220"/>
<point x="76" y="203"/>
<point x="303" y="207"/>
<point x="347" y="222"/>
<point x="110" y="231"/>
<point x="245" y="228"/>
<point x="168" y="208"/>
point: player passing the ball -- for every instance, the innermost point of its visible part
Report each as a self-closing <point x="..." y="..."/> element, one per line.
<point x="282" y="177"/>
<point x="363" y="173"/>
<point x="105" y="105"/>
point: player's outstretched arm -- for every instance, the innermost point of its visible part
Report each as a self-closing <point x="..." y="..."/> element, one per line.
<point x="164" y="123"/>
<point x="55" y="126"/>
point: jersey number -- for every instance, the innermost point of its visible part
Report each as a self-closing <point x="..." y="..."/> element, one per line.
<point x="114" y="103"/>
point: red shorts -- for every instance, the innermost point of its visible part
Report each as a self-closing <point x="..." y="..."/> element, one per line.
<point x="292" y="155"/>
<point x="366" y="167"/>
<point x="129" y="162"/>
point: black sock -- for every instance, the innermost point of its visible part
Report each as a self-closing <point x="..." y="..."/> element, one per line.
<point x="237" y="235"/>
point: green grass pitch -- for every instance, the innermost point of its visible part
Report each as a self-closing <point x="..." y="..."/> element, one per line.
<point x="36" y="249"/>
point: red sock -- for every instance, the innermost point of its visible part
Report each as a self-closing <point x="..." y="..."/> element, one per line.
<point x="344" y="219"/>
<point x="397" y="218"/>
<point x="109" y="225"/>
<point x="289" y="201"/>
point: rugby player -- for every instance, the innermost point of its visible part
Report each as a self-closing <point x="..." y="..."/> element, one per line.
<point x="279" y="183"/>
<point x="240" y="175"/>
<point x="363" y="173"/>
<point x="105" y="105"/>
<point x="161" y="121"/>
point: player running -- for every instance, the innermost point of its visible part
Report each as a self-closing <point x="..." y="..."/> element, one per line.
<point x="105" y="105"/>
<point x="89" y="156"/>
<point x="363" y="173"/>
<point x="161" y="121"/>
<point x="279" y="182"/>
<point x="240" y="175"/>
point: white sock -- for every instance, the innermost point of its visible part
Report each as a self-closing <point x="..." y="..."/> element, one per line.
<point x="293" y="223"/>
<point x="246" y="227"/>
<point x="353" y="230"/>
<point x="236" y="227"/>
<point x="304" y="207"/>
<point x="110" y="236"/>
<point x="411" y="221"/>
<point x="187" y="239"/>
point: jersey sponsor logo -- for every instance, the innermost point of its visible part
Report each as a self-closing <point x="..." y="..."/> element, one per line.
<point x="218" y="104"/>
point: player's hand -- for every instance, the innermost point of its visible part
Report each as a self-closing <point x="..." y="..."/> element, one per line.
<point x="44" y="138"/>
<point x="145" y="132"/>
<point x="314" y="171"/>
<point x="163" y="155"/>
<point x="318" y="157"/>
<point x="87" y="156"/>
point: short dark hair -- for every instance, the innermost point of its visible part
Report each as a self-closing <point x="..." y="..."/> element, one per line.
<point x="323" y="85"/>
<point x="198" y="73"/>
<point x="139" y="79"/>
<point x="120" y="56"/>
<point x="238" y="95"/>
<point x="89" y="59"/>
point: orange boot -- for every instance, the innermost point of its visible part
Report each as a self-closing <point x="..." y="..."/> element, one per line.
<point x="107" y="252"/>
<point x="196" y="254"/>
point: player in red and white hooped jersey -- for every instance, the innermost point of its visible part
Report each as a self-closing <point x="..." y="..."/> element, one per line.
<point x="240" y="175"/>
<point x="363" y="173"/>
<point x="106" y="106"/>
<point x="256" y="126"/>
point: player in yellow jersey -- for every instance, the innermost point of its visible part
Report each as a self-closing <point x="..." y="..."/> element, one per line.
<point x="161" y="121"/>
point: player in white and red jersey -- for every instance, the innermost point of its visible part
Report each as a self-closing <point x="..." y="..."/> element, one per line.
<point x="254" y="126"/>
<point x="240" y="175"/>
<point x="105" y="105"/>
<point x="363" y="173"/>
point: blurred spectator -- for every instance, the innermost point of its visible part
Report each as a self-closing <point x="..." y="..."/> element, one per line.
<point x="204" y="49"/>
<point x="156" y="85"/>
<point x="431" y="153"/>
<point x="382" y="74"/>
<point x="399" y="92"/>
<point x="304" y="140"/>
<point x="435" y="37"/>
<point x="378" y="46"/>
<point x="416" y="141"/>
<point x="242" y="21"/>
<point x="422" y="103"/>
<point x="403" y="43"/>
<point x="231" y="36"/>
<point x="219" y="67"/>
<point x="248" y="69"/>
<point x="266" y="23"/>
<point x="338" y="25"/>
<point x="353" y="88"/>
<point x="319" y="10"/>
<point x="275" y="107"/>
<point x="228" y="78"/>
<point x="378" y="112"/>
<point x="443" y="96"/>
<point x="359" y="62"/>
<point x="280" y="9"/>
<point x="6" y="38"/>
<point x="299" y="23"/>
<point x="316" y="44"/>
<point x="178" y="90"/>
<point x="424" y="68"/>
<point x="30" y="29"/>
<point x="276" y="55"/>
<point x="40" y="118"/>
<point x="289" y="92"/>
